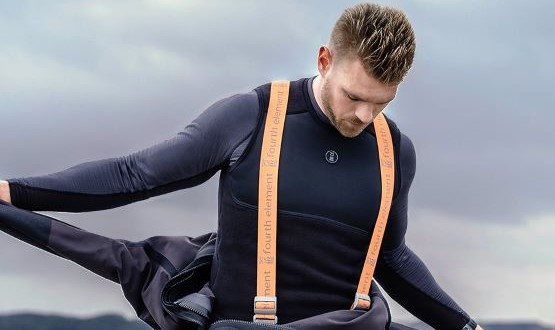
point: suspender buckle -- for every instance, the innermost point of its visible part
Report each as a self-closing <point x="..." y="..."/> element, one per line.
<point x="362" y="302"/>
<point x="265" y="309"/>
<point x="264" y="319"/>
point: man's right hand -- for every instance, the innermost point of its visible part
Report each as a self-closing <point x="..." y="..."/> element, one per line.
<point x="5" y="191"/>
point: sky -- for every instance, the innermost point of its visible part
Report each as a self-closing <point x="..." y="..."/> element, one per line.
<point x="86" y="80"/>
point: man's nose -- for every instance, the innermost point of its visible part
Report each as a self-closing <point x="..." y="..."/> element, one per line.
<point x="365" y="114"/>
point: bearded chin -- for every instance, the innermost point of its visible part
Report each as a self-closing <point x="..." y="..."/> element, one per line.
<point x="342" y="130"/>
<point x="331" y="115"/>
<point x="328" y="110"/>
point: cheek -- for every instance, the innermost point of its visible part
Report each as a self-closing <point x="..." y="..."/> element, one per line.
<point x="344" y="108"/>
<point x="341" y="105"/>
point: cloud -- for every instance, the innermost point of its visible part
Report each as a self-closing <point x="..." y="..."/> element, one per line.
<point x="475" y="106"/>
<point x="492" y="270"/>
<point x="90" y="80"/>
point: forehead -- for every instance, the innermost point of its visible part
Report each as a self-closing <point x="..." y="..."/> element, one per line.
<point x="354" y="78"/>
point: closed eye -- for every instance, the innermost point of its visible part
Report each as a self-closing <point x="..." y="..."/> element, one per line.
<point x="352" y="98"/>
<point x="358" y="99"/>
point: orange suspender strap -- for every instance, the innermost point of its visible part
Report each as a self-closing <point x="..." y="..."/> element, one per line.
<point x="265" y="302"/>
<point x="387" y="169"/>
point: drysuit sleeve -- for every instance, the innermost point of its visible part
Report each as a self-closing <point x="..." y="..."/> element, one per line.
<point x="399" y="270"/>
<point x="188" y="159"/>
<point x="141" y="268"/>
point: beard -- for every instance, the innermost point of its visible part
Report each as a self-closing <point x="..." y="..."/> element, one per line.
<point x="341" y="125"/>
<point x="327" y="104"/>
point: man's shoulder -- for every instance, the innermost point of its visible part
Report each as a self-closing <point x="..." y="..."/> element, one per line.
<point x="297" y="86"/>
<point x="402" y="143"/>
<point x="236" y="107"/>
<point x="396" y="133"/>
<point x="295" y="83"/>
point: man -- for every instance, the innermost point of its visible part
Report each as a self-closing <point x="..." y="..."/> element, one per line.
<point x="328" y="188"/>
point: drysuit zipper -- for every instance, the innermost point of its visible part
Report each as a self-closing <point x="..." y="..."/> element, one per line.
<point x="261" y="325"/>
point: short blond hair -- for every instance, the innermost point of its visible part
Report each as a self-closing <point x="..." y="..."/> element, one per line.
<point x="380" y="36"/>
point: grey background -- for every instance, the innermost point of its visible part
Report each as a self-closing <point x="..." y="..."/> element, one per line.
<point x="84" y="80"/>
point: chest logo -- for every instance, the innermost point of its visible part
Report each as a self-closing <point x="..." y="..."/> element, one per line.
<point x="332" y="157"/>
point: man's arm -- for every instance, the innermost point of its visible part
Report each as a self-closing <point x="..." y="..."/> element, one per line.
<point x="186" y="160"/>
<point x="402" y="274"/>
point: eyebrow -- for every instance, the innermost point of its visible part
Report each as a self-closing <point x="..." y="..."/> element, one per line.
<point x="362" y="98"/>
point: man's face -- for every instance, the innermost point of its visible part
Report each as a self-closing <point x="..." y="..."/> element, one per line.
<point x="351" y="97"/>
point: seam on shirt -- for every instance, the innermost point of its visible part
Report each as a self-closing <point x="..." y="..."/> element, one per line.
<point x="254" y="133"/>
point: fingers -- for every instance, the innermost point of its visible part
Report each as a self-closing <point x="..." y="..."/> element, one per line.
<point x="5" y="191"/>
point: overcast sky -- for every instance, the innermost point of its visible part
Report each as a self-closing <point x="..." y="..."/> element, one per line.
<point x="85" y="80"/>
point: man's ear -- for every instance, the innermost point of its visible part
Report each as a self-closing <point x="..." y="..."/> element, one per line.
<point x="324" y="60"/>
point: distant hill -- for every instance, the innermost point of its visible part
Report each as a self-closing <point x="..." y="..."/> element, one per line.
<point x="517" y="326"/>
<point x="52" y="322"/>
<point x="116" y="322"/>
<point x="500" y="326"/>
